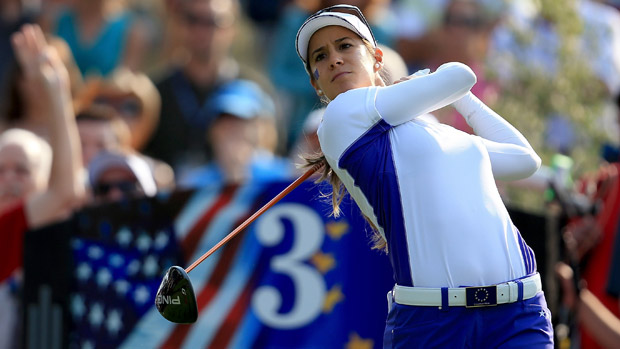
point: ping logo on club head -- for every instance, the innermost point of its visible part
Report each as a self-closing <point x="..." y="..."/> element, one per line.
<point x="168" y="300"/>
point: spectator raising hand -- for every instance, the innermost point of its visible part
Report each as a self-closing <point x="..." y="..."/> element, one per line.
<point x="36" y="188"/>
<point x="41" y="63"/>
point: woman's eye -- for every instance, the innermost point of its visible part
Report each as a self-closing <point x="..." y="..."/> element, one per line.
<point x="345" y="46"/>
<point x="319" y="57"/>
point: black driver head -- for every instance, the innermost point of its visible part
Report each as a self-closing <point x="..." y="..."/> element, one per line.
<point x="175" y="299"/>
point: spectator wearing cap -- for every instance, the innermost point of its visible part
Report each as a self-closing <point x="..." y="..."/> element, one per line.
<point x="241" y="137"/>
<point x="207" y="33"/>
<point x="128" y="98"/>
<point x="100" y="130"/>
<point x="133" y="97"/>
<point x="116" y="175"/>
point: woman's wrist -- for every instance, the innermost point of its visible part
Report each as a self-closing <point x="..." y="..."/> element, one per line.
<point x="466" y="105"/>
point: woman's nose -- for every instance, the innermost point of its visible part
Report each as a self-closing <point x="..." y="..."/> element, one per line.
<point x="336" y="60"/>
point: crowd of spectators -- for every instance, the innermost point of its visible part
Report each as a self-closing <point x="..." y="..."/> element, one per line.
<point x="106" y="99"/>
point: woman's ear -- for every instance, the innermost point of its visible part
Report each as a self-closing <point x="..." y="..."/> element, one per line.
<point x="316" y="87"/>
<point x="378" y="54"/>
<point x="378" y="58"/>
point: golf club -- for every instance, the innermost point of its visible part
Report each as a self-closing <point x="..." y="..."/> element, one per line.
<point x="175" y="298"/>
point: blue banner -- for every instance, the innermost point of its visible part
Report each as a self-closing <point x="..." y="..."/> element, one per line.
<point x="296" y="278"/>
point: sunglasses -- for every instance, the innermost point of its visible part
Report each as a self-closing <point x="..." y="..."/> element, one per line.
<point x="126" y="187"/>
<point x="194" y="20"/>
<point x="126" y="106"/>
<point x="349" y="9"/>
<point x="458" y="20"/>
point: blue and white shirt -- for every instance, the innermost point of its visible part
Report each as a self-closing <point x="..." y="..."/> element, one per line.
<point x="429" y="188"/>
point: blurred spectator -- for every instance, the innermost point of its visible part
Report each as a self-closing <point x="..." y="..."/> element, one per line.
<point x="592" y="294"/>
<point x="25" y="161"/>
<point x="118" y="175"/>
<point x="23" y="107"/>
<point x="264" y="12"/>
<point x="243" y="113"/>
<point x="417" y="19"/>
<point x="461" y="36"/>
<point x="603" y="324"/>
<point x="170" y="48"/>
<point x="151" y="17"/>
<point x="131" y="99"/>
<point x="298" y="98"/>
<point x="593" y="246"/>
<point x="208" y="29"/>
<point x="36" y="188"/>
<point x="103" y="35"/>
<point x="100" y="129"/>
<point x="134" y="98"/>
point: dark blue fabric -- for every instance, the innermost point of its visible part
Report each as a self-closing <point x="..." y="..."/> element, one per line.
<point x="528" y="256"/>
<point x="520" y="287"/>
<point x="195" y="112"/>
<point x="369" y="160"/>
<point x="613" y="281"/>
<point x="525" y="324"/>
<point x="444" y="299"/>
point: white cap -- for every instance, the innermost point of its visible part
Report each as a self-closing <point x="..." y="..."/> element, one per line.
<point x="105" y="160"/>
<point x="316" y="22"/>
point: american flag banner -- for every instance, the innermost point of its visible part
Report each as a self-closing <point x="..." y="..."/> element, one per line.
<point x="295" y="278"/>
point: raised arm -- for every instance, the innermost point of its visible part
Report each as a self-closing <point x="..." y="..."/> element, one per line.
<point x="408" y="99"/>
<point x="65" y="188"/>
<point x="512" y="157"/>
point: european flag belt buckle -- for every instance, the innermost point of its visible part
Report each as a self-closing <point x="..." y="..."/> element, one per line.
<point x="480" y="296"/>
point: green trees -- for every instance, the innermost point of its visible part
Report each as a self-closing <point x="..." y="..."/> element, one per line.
<point x="534" y="93"/>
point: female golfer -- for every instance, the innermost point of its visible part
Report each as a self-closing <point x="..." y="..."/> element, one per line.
<point x="464" y="276"/>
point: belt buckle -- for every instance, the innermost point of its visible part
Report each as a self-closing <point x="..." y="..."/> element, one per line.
<point x="480" y="296"/>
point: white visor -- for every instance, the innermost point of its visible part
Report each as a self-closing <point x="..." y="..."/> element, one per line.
<point x="314" y="23"/>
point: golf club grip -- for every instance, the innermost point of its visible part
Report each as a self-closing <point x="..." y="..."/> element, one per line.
<point x="251" y="219"/>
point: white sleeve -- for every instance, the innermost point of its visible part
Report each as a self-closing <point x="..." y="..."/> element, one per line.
<point x="406" y="100"/>
<point x="512" y="157"/>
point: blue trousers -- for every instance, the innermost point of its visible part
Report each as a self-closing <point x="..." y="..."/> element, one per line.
<point x="523" y="324"/>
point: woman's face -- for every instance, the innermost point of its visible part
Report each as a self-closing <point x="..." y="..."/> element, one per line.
<point x="234" y="141"/>
<point x="340" y="61"/>
<point x="17" y="175"/>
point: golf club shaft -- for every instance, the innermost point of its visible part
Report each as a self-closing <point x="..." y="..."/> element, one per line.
<point x="251" y="219"/>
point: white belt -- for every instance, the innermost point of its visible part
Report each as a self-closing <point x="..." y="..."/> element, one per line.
<point x="477" y="296"/>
